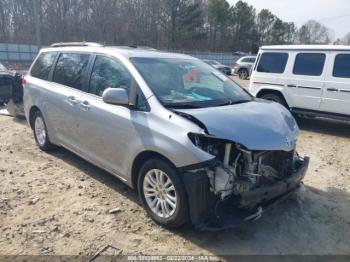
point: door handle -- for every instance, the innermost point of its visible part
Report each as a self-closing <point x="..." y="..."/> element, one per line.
<point x="71" y="100"/>
<point x="85" y="105"/>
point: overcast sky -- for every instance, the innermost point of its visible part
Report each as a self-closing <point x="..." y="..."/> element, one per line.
<point x="335" y="14"/>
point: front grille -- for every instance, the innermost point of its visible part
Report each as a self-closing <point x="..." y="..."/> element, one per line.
<point x="281" y="161"/>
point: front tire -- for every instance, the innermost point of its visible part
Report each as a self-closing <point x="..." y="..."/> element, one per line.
<point x="162" y="193"/>
<point x="274" y="98"/>
<point x="40" y="132"/>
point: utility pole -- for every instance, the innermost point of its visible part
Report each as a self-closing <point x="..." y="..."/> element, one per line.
<point x="37" y="22"/>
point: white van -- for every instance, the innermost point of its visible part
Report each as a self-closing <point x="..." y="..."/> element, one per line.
<point x="307" y="79"/>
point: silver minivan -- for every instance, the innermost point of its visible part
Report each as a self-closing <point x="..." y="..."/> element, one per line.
<point x="195" y="145"/>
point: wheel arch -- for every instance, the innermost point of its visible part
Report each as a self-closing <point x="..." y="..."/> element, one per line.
<point x="141" y="158"/>
<point x="264" y="91"/>
<point x="243" y="68"/>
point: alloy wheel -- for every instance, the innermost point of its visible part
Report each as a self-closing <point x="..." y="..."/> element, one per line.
<point x="40" y="130"/>
<point x="159" y="192"/>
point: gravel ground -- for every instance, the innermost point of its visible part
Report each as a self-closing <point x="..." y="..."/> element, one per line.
<point x="58" y="203"/>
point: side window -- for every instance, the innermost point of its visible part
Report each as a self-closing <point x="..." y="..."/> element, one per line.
<point x="70" y="69"/>
<point x="342" y="66"/>
<point x="108" y="73"/>
<point x="42" y="67"/>
<point x="251" y="60"/>
<point x="309" y="64"/>
<point x="272" y="62"/>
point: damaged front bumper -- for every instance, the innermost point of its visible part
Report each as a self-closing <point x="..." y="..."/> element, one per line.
<point x="207" y="212"/>
<point x="262" y="196"/>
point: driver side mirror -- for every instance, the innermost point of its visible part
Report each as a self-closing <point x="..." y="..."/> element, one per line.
<point x="116" y="96"/>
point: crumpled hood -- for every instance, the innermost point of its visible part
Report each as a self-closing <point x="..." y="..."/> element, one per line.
<point x="258" y="125"/>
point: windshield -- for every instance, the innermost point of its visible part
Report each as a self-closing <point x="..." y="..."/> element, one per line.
<point x="2" y="67"/>
<point x="188" y="83"/>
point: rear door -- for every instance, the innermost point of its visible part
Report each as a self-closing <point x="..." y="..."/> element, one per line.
<point x="6" y="83"/>
<point x="336" y="92"/>
<point x="306" y="79"/>
<point x="68" y="81"/>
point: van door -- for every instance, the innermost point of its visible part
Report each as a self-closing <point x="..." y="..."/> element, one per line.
<point x="64" y="97"/>
<point x="305" y="84"/>
<point x="6" y="82"/>
<point x="336" y="92"/>
<point x="106" y="131"/>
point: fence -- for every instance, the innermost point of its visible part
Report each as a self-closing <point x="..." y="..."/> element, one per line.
<point x="27" y="53"/>
<point x="18" y="52"/>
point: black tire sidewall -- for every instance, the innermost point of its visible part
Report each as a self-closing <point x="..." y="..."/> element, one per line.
<point x="274" y="98"/>
<point x="180" y="216"/>
<point x="241" y="71"/>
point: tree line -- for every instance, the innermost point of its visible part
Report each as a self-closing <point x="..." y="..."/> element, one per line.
<point x="165" y="24"/>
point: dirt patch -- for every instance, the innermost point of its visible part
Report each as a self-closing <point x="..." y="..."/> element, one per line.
<point x="58" y="203"/>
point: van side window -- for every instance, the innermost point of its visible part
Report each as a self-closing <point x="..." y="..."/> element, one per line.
<point x="248" y="60"/>
<point x="309" y="64"/>
<point x="42" y="67"/>
<point x="342" y="66"/>
<point x="108" y="73"/>
<point x="272" y="62"/>
<point x="70" y="69"/>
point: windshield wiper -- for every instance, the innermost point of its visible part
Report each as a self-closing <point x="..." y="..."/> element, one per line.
<point x="181" y="105"/>
<point x="230" y="102"/>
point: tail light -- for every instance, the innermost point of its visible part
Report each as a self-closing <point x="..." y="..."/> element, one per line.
<point x="24" y="82"/>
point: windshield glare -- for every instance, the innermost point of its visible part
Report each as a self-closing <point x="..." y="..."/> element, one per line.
<point x="188" y="82"/>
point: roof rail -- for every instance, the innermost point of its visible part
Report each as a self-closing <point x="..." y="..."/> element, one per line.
<point x="62" y="44"/>
<point x="142" y="47"/>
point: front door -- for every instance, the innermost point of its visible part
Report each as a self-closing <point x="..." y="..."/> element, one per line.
<point x="107" y="132"/>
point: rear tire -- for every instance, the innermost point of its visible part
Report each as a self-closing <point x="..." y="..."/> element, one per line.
<point x="40" y="132"/>
<point x="274" y="98"/>
<point x="162" y="193"/>
<point x="243" y="74"/>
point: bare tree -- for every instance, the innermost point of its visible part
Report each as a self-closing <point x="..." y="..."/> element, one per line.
<point x="346" y="39"/>
<point x="165" y="24"/>
<point x="313" y="32"/>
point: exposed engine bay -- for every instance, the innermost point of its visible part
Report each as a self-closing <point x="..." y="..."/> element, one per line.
<point x="237" y="170"/>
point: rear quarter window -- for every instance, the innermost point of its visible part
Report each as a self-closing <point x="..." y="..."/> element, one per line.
<point x="42" y="67"/>
<point x="342" y="66"/>
<point x="272" y="62"/>
<point x="310" y="64"/>
<point x="70" y="69"/>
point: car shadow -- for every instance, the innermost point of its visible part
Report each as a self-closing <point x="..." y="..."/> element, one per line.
<point x="301" y="224"/>
<point x="325" y="126"/>
<point x="305" y="223"/>
<point x="95" y="172"/>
